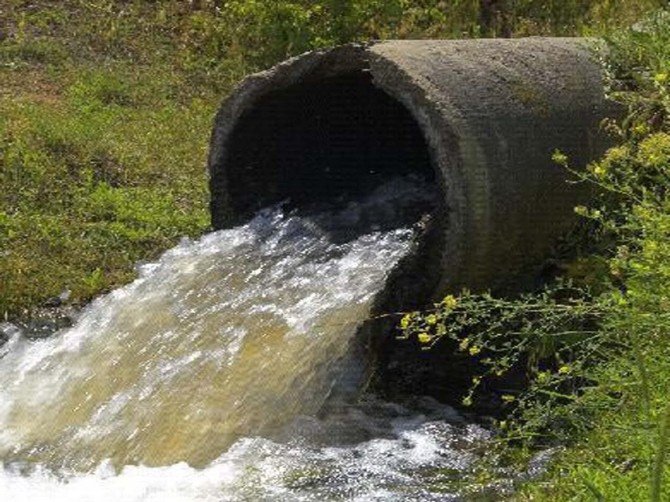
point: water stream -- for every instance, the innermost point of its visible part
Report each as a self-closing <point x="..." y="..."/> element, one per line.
<point x="214" y="375"/>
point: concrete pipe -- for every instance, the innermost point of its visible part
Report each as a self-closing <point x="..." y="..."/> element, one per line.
<point x="480" y="118"/>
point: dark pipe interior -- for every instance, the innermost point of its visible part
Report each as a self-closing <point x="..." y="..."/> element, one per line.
<point x="322" y="141"/>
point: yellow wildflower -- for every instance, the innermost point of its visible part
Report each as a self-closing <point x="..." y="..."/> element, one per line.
<point x="599" y="170"/>
<point x="543" y="376"/>
<point x="431" y="319"/>
<point x="641" y="129"/>
<point x="404" y="322"/>
<point x="564" y="370"/>
<point x="449" y="302"/>
<point x="474" y="350"/>
<point x="424" y="338"/>
<point x="560" y="158"/>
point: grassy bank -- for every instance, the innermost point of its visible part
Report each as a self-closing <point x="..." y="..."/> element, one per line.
<point x="621" y="451"/>
<point x="105" y="111"/>
<point x="594" y="344"/>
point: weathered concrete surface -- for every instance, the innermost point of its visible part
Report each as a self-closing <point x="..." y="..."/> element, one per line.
<point x="491" y="112"/>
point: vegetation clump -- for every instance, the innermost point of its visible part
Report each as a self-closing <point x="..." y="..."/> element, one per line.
<point x="594" y="346"/>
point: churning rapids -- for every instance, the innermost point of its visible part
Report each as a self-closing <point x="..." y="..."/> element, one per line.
<point x="225" y="372"/>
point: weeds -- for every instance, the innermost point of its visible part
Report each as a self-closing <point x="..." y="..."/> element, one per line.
<point x="94" y="179"/>
<point x="594" y="353"/>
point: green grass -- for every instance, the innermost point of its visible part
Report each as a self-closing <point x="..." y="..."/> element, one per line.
<point x="594" y="345"/>
<point x="624" y="453"/>
<point x="101" y="167"/>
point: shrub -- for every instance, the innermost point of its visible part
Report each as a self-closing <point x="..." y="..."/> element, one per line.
<point x="596" y="363"/>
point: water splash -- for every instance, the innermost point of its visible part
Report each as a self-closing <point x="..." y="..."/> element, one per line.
<point x="201" y="379"/>
<point x="371" y="451"/>
<point x="228" y="336"/>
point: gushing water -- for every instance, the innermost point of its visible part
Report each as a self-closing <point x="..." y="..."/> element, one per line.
<point x="166" y="387"/>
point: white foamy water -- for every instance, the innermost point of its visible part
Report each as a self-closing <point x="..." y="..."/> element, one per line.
<point x="372" y="451"/>
<point x="198" y="380"/>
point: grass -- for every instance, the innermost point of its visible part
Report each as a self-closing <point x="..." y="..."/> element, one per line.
<point x="623" y="454"/>
<point x="101" y="167"/>
<point x="594" y="345"/>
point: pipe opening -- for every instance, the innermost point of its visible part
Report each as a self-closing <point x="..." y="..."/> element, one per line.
<point x="322" y="141"/>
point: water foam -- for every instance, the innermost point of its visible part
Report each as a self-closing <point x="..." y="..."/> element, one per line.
<point x="202" y="378"/>
<point x="364" y="452"/>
